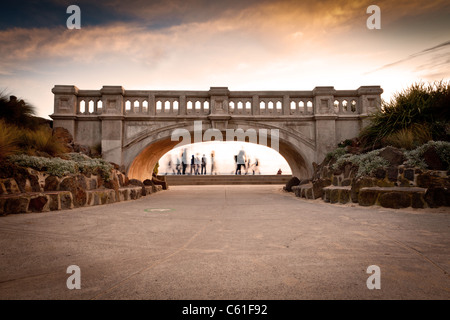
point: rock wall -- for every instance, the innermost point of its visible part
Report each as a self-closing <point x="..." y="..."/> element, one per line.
<point x="35" y="191"/>
<point x="397" y="186"/>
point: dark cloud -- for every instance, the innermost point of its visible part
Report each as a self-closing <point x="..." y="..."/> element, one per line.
<point x="412" y="56"/>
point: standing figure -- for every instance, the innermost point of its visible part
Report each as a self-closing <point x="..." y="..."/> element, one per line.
<point x="184" y="160"/>
<point x="178" y="166"/>
<point x="197" y="163"/>
<point x="256" y="166"/>
<point x="213" y="163"/>
<point x="240" y="161"/>
<point x="192" y="164"/>
<point x="203" y="164"/>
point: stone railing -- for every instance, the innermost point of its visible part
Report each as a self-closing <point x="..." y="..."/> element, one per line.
<point x="115" y="100"/>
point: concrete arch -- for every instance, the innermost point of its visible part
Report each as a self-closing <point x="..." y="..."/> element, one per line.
<point x="141" y="155"/>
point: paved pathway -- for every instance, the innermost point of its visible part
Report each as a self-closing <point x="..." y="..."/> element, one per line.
<point x="226" y="242"/>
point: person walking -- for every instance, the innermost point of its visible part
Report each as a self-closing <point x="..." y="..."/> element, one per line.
<point x="197" y="162"/>
<point x="213" y="163"/>
<point x="203" y="164"/>
<point x="256" y="167"/>
<point x="192" y="164"/>
<point x="178" y="166"/>
<point x="184" y="160"/>
<point x="240" y="161"/>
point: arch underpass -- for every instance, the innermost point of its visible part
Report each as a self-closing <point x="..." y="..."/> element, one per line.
<point x="141" y="156"/>
<point x="135" y="127"/>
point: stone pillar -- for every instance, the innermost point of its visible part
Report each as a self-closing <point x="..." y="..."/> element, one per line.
<point x="112" y="123"/>
<point x="286" y="105"/>
<point x="369" y="101"/>
<point x="325" y="121"/>
<point x="65" y="107"/>
<point x="219" y="115"/>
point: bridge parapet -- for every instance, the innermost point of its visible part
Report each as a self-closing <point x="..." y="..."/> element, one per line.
<point x="69" y="100"/>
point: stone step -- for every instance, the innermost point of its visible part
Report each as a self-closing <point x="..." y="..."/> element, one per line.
<point x="337" y="194"/>
<point x="388" y="197"/>
<point x="393" y="197"/>
<point x="174" y="180"/>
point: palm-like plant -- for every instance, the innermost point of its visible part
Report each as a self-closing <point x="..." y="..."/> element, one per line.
<point x="17" y="111"/>
<point x="421" y="105"/>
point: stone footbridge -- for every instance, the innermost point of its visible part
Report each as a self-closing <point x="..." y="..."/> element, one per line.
<point x="134" y="127"/>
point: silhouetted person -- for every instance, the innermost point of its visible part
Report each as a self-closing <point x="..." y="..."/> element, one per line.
<point x="240" y="161"/>
<point x="197" y="163"/>
<point x="279" y="171"/>
<point x="178" y="166"/>
<point x="184" y="160"/>
<point x="213" y="163"/>
<point x="192" y="164"/>
<point x="256" y="167"/>
<point x="203" y="165"/>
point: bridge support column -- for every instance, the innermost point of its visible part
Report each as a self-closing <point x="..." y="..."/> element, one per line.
<point x="325" y="120"/>
<point x="65" y="108"/>
<point x="112" y="124"/>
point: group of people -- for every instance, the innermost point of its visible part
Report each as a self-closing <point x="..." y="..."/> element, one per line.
<point x="242" y="161"/>
<point x="197" y="164"/>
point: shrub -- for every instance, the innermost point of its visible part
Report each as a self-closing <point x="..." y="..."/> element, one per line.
<point x="409" y="138"/>
<point x="420" y="104"/>
<point x="54" y="166"/>
<point x="367" y="162"/>
<point x="415" y="157"/>
<point x="336" y="153"/>
<point x="41" y="140"/>
<point x="8" y="140"/>
<point x="88" y="165"/>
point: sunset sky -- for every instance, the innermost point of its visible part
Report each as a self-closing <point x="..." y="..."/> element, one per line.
<point x="243" y="45"/>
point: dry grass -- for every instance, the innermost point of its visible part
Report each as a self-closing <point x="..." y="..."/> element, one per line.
<point x="9" y="139"/>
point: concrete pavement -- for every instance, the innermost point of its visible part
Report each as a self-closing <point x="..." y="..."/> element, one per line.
<point x="226" y="242"/>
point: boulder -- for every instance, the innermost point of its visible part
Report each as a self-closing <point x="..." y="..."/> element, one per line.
<point x="437" y="197"/>
<point x="367" y="197"/>
<point x="395" y="200"/>
<point x="359" y="183"/>
<point x="37" y="204"/>
<point x="294" y="181"/>
<point x="51" y="183"/>
<point x="72" y="184"/>
<point x="317" y="187"/>
<point x="16" y="205"/>
<point x="136" y="182"/>
<point x="63" y="135"/>
<point x="393" y="155"/>
<point x="432" y="159"/>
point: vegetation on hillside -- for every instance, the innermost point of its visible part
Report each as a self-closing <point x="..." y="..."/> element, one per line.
<point x="418" y="114"/>
<point x="414" y="121"/>
<point x="23" y="133"/>
<point x="28" y="141"/>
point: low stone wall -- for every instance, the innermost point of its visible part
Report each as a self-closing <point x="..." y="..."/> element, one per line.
<point x="394" y="187"/>
<point x="34" y="191"/>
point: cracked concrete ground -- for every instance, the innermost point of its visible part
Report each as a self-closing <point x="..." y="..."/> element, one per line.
<point x="226" y="242"/>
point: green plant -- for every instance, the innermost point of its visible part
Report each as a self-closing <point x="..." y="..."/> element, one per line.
<point x="8" y="140"/>
<point x="54" y="166"/>
<point x="366" y="163"/>
<point x="336" y="153"/>
<point x="415" y="157"/>
<point x="409" y="138"/>
<point x="17" y="111"/>
<point x="420" y="104"/>
<point x="41" y="140"/>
